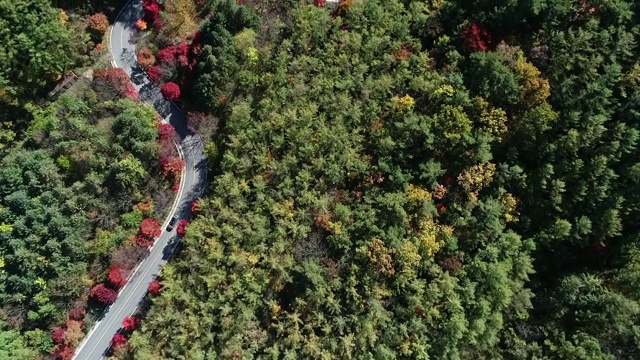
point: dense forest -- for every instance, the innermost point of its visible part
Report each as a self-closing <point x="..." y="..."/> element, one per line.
<point x="390" y="179"/>
<point x="412" y="180"/>
<point x="84" y="171"/>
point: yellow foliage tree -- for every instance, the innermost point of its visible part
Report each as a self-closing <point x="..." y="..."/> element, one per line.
<point x="534" y="90"/>
<point x="403" y="104"/>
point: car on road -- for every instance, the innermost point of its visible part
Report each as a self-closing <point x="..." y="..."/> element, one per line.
<point x="172" y="222"/>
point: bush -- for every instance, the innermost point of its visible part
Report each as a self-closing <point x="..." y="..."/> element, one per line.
<point x="171" y="91"/>
<point x="146" y="58"/>
<point x="115" y="277"/>
<point x="167" y="56"/>
<point x="104" y="294"/>
<point x="151" y="10"/>
<point x="182" y="227"/>
<point x="150" y="228"/>
<point x="98" y="25"/>
<point x="154" y="288"/>
<point x="113" y="83"/>
<point x="166" y="132"/>
<point x="155" y="73"/>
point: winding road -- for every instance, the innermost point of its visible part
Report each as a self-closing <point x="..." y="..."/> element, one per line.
<point x="193" y="182"/>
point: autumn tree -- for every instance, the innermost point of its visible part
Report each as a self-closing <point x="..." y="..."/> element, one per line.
<point x="171" y="91"/>
<point x="98" y="24"/>
<point x="103" y="294"/>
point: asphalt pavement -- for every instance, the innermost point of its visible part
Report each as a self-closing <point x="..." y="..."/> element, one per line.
<point x="97" y="342"/>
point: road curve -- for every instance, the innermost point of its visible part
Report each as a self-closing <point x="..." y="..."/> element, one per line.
<point x="97" y="342"/>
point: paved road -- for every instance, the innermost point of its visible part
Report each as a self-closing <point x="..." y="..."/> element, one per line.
<point x="97" y="341"/>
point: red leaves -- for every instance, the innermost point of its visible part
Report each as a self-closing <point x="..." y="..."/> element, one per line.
<point x="151" y="10"/>
<point x="77" y="313"/>
<point x="166" y="132"/>
<point x="104" y="294"/>
<point x="146" y="58"/>
<point x="130" y="323"/>
<point x="58" y="335"/>
<point x="171" y="91"/>
<point x="143" y="241"/>
<point x="167" y="55"/>
<point x="476" y="37"/>
<point x="155" y="73"/>
<point x="118" y="341"/>
<point x="98" y="24"/>
<point x="113" y="80"/>
<point x="158" y="24"/>
<point x="172" y="166"/>
<point x="319" y="3"/>
<point x="154" y="287"/>
<point x="195" y="208"/>
<point x="182" y="227"/>
<point x="64" y="352"/>
<point x="115" y="277"/>
<point x="150" y="228"/>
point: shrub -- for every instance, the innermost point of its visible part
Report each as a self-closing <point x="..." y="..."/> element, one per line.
<point x="158" y="24"/>
<point x="104" y="294"/>
<point x="118" y="340"/>
<point x="151" y="10"/>
<point x="141" y="25"/>
<point x="172" y="166"/>
<point x="58" y="335"/>
<point x="167" y="55"/>
<point x="77" y="313"/>
<point x="98" y="24"/>
<point x="182" y="227"/>
<point x="146" y="58"/>
<point x="111" y="83"/>
<point x="195" y="207"/>
<point x="150" y="228"/>
<point x="155" y="73"/>
<point x="171" y="91"/>
<point x="115" y="277"/>
<point x="155" y="287"/>
<point x="130" y="323"/>
<point x="166" y="132"/>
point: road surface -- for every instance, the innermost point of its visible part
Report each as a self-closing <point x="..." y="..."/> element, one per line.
<point x="96" y="343"/>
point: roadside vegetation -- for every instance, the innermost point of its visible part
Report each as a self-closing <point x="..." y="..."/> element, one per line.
<point x="85" y="171"/>
<point x="410" y="179"/>
<point x="390" y="179"/>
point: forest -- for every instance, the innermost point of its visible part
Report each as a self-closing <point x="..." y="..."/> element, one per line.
<point x="389" y="179"/>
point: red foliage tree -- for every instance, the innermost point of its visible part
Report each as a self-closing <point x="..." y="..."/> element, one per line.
<point x="166" y="132"/>
<point x="150" y="228"/>
<point x="151" y="10"/>
<point x="172" y="166"/>
<point x="195" y="207"/>
<point x="155" y="73"/>
<point x="171" y="91"/>
<point x="104" y="294"/>
<point x="77" y="313"/>
<point x="58" y="335"/>
<point x="143" y="241"/>
<point x="476" y="38"/>
<point x="113" y="82"/>
<point x="320" y="3"/>
<point x="98" y="24"/>
<point x="155" y="287"/>
<point x="115" y="277"/>
<point x="175" y="187"/>
<point x="130" y="323"/>
<point x="158" y="24"/>
<point x="118" y="340"/>
<point x="146" y="58"/>
<point x="63" y="352"/>
<point x="167" y="56"/>
<point x="181" y="229"/>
